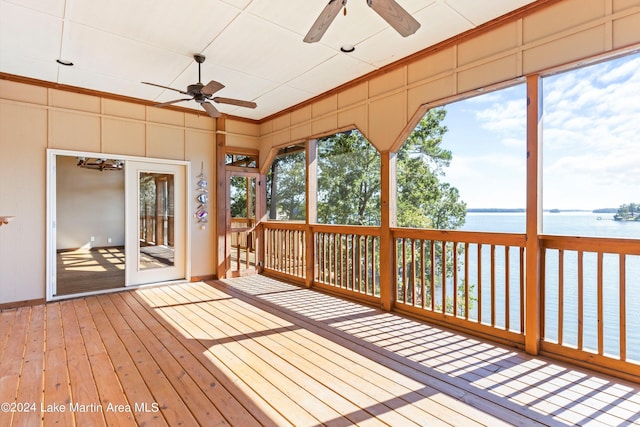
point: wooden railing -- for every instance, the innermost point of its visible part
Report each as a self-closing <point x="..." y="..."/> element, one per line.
<point x="348" y="258"/>
<point x="589" y="287"/>
<point x="285" y="249"/>
<point x="591" y="299"/>
<point x="468" y="279"/>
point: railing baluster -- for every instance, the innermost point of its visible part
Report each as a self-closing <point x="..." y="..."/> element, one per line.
<point x="359" y="260"/>
<point x="455" y="279"/>
<point x="466" y="281"/>
<point x="432" y="270"/>
<point x="373" y="265"/>
<point x="412" y="280"/>
<point x="507" y="288"/>
<point x="335" y="260"/>
<point x="443" y="285"/>
<point x="366" y="264"/>
<point x="423" y="272"/>
<point x="521" y="305"/>
<point x="580" y="301"/>
<point x="404" y="271"/>
<point x="600" y="305"/>
<point x="492" y="271"/>
<point x="622" y="305"/>
<point x="353" y="262"/>
<point x="479" y="283"/>
<point x="560" y="296"/>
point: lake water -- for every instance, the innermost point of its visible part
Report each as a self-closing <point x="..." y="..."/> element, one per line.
<point x="566" y="224"/>
<point x="563" y="223"/>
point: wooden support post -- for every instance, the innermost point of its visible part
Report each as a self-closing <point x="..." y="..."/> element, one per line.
<point x="388" y="221"/>
<point x="312" y="209"/>
<point x="534" y="216"/>
<point x="261" y="216"/>
<point x="221" y="200"/>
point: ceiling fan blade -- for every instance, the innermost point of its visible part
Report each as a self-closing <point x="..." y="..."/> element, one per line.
<point x="238" y="102"/>
<point x="325" y="19"/>
<point x="166" y="87"/>
<point x="395" y="16"/>
<point x="211" y="110"/>
<point x="212" y="87"/>
<point x="164" y="104"/>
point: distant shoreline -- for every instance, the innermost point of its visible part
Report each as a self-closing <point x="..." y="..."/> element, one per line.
<point x="522" y="210"/>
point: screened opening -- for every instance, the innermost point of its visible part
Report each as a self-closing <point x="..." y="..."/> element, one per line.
<point x="286" y="184"/>
<point x="348" y="180"/>
<point x="590" y="143"/>
<point x="241" y="160"/>
<point x="486" y="136"/>
<point x="424" y="197"/>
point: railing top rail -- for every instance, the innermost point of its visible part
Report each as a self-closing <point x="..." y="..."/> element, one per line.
<point x="591" y="244"/>
<point x="485" y="238"/>
<point x="361" y="230"/>
<point x="281" y="225"/>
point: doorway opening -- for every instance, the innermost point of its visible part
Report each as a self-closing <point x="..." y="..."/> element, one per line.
<point x="113" y="222"/>
<point x="89" y="232"/>
<point x="241" y="222"/>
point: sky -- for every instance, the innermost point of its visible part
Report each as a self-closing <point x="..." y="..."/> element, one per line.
<point x="591" y="141"/>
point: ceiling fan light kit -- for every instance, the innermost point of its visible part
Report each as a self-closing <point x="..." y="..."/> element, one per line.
<point x="202" y="93"/>
<point x="394" y="14"/>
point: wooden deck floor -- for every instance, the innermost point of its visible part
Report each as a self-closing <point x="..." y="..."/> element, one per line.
<point x="256" y="351"/>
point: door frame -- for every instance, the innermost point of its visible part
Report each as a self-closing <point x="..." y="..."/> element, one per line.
<point x="231" y="172"/>
<point x="51" y="207"/>
<point x="134" y="276"/>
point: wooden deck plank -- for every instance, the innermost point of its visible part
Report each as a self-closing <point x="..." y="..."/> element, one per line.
<point x="203" y="409"/>
<point x="11" y="362"/>
<point x="487" y="356"/>
<point x="310" y="407"/>
<point x="257" y="351"/>
<point x="381" y="383"/>
<point x="366" y="344"/>
<point x="7" y="320"/>
<point x="235" y="413"/>
<point x="321" y="354"/>
<point x="56" y="373"/>
<point x="83" y="388"/>
<point x="164" y="395"/>
<point x="291" y="364"/>
<point x="372" y="398"/>
<point x="133" y="384"/>
<point x="264" y="414"/>
<point x="117" y="409"/>
<point x="285" y="376"/>
<point x="193" y="326"/>
<point x="31" y="375"/>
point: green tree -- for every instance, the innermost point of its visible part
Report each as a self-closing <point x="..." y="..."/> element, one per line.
<point x="424" y="200"/>
<point x="348" y="180"/>
<point x="286" y="186"/>
<point x="629" y="211"/>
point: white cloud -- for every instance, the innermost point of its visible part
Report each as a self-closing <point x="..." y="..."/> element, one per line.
<point x="591" y="141"/>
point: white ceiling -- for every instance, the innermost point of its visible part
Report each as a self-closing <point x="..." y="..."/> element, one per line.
<point x="253" y="47"/>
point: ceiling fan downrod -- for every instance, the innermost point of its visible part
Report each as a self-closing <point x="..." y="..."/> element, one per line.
<point x="199" y="59"/>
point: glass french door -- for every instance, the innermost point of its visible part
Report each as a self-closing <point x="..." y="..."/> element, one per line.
<point x="155" y="222"/>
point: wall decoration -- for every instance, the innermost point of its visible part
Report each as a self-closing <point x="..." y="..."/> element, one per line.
<point x="202" y="197"/>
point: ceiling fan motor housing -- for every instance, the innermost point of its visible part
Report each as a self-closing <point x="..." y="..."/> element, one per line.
<point x="195" y="89"/>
